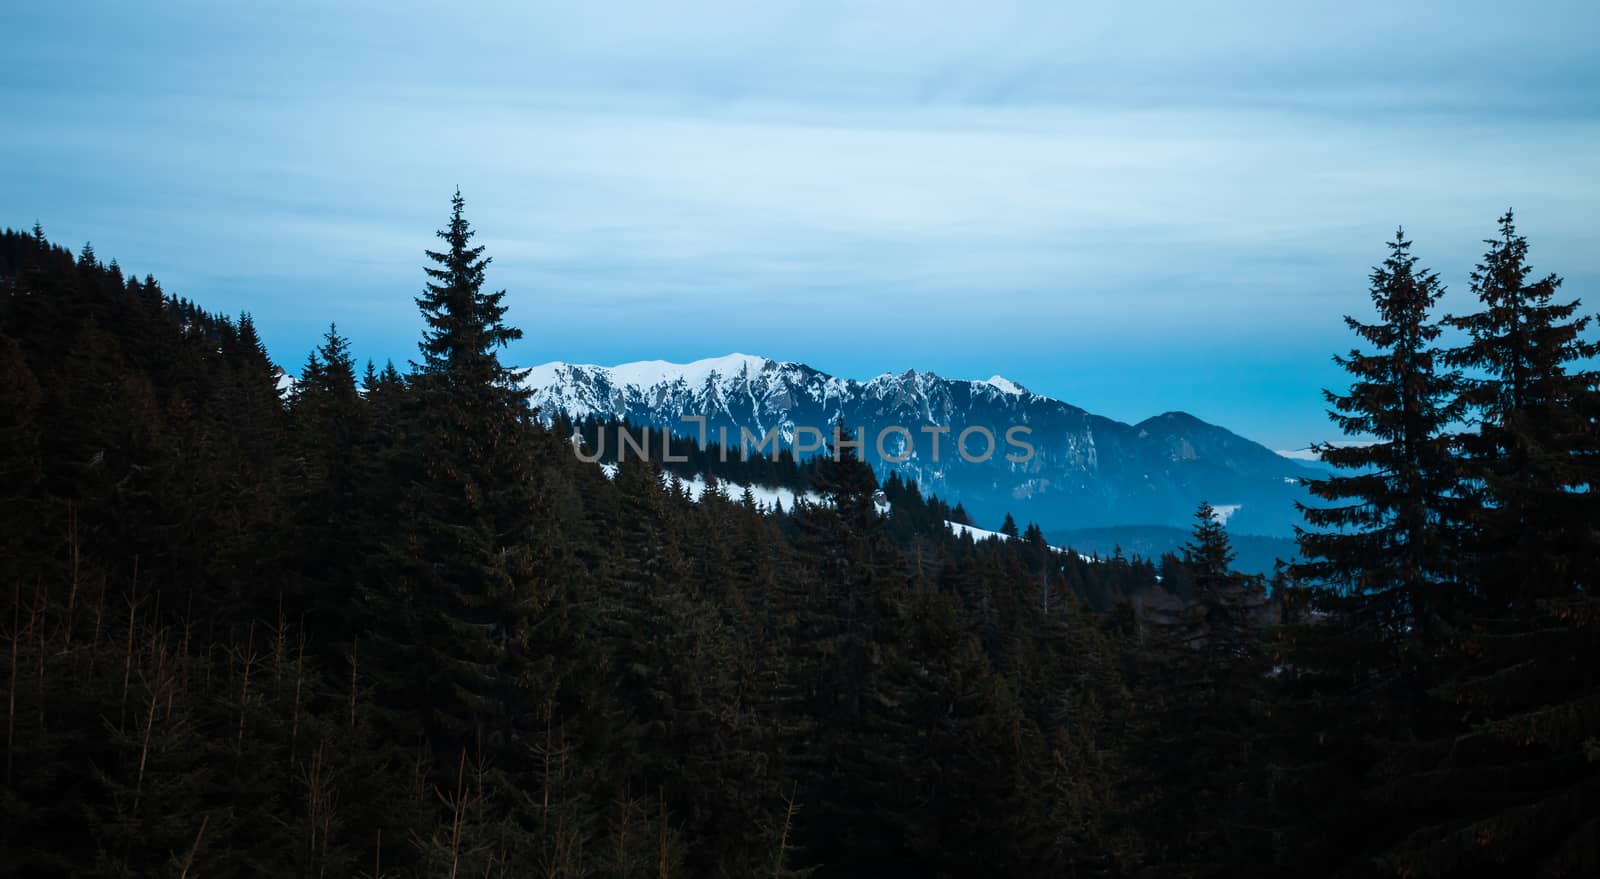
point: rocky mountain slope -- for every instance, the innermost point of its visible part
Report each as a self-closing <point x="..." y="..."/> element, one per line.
<point x="1085" y="470"/>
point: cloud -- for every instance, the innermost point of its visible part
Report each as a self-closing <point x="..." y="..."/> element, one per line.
<point x="1063" y="193"/>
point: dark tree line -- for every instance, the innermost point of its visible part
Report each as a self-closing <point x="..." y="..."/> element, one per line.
<point x="386" y="623"/>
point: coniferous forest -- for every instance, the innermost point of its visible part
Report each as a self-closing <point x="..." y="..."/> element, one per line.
<point x="386" y="624"/>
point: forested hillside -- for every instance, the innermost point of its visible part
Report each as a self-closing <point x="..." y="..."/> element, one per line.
<point x="388" y="624"/>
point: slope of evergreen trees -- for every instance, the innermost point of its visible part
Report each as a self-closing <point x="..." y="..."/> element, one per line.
<point x="385" y="623"/>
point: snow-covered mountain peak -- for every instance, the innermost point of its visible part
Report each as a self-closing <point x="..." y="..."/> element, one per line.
<point x="1003" y="385"/>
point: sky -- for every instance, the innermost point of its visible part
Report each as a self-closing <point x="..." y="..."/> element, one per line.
<point x="1135" y="207"/>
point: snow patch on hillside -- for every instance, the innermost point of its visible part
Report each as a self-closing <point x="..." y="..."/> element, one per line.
<point x="1223" y="512"/>
<point x="979" y="534"/>
<point x="766" y="497"/>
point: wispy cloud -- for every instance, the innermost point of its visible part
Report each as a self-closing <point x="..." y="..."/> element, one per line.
<point x="1135" y="207"/>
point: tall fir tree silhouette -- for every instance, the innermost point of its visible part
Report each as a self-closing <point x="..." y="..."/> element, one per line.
<point x="454" y="623"/>
<point x="1388" y="535"/>
<point x="1532" y="462"/>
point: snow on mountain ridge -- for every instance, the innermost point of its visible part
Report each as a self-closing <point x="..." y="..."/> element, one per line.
<point x="646" y="374"/>
<point x="576" y="388"/>
<point x="1082" y="470"/>
<point x="650" y="373"/>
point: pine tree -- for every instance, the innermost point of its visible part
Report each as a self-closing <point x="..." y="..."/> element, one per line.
<point x="466" y="326"/>
<point x="1009" y="527"/>
<point x="1391" y="537"/>
<point x="1534" y="459"/>
<point x="455" y="622"/>
<point x="1350" y="684"/>
<point x="1199" y="690"/>
<point x="336" y="467"/>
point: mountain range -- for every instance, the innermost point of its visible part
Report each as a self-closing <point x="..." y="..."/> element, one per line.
<point x="1085" y="471"/>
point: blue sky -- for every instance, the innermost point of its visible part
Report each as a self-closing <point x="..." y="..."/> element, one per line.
<point x="1135" y="207"/>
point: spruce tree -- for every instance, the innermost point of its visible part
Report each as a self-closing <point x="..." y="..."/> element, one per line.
<point x="335" y="469"/>
<point x="1199" y="689"/>
<point x="1351" y="684"/>
<point x="1009" y="527"/>
<point x="1388" y="536"/>
<point x="455" y="620"/>
<point x="466" y="327"/>
<point x="1532" y="463"/>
